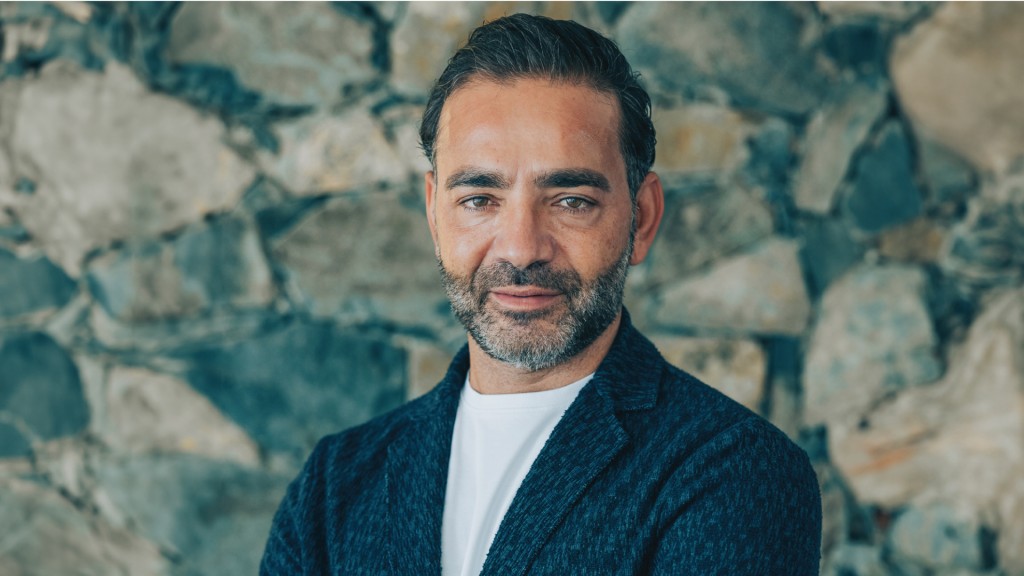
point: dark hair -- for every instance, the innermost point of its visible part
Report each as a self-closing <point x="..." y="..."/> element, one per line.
<point x="527" y="46"/>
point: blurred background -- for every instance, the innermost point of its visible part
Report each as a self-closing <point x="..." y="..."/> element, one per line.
<point x="213" y="252"/>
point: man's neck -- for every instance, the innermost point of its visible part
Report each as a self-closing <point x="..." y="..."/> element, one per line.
<point x="490" y="376"/>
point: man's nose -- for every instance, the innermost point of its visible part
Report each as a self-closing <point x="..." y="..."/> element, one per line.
<point x="522" y="236"/>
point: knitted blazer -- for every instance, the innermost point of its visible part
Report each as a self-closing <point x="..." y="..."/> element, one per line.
<point x="649" y="472"/>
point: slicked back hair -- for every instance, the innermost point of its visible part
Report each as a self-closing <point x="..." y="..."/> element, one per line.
<point x="527" y="46"/>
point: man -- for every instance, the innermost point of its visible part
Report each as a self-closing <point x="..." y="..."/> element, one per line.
<point x="559" y="442"/>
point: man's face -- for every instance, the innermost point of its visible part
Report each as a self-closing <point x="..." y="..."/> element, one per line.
<point x="531" y="217"/>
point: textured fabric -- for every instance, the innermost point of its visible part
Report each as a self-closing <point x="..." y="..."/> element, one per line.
<point x="497" y="437"/>
<point x="648" y="472"/>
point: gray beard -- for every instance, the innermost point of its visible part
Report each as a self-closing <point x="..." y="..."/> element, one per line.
<point x="516" y="338"/>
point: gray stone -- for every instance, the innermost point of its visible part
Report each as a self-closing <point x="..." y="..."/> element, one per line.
<point x="366" y="257"/>
<point x="30" y="287"/>
<point x="883" y="193"/>
<point x="986" y="249"/>
<point x="324" y="153"/>
<point x="426" y="37"/>
<point x="835" y="516"/>
<point x="213" y="517"/>
<point x="41" y="390"/>
<point x="208" y="268"/>
<point x="43" y="534"/>
<point x="151" y="164"/>
<point x="427" y="362"/>
<point x="964" y="58"/>
<point x="948" y="176"/>
<point x="698" y="229"/>
<point x="292" y="386"/>
<point x="873" y="338"/>
<point x="226" y="325"/>
<point x="737" y="48"/>
<point x="149" y="412"/>
<point x="958" y="443"/>
<point x="855" y="560"/>
<point x="937" y="537"/>
<point x="292" y="56"/>
<point x="919" y="240"/>
<point x="761" y="291"/>
<point x="894" y="11"/>
<point x="735" y="367"/>
<point x="700" y="139"/>
<point x="828" y="251"/>
<point x="13" y="443"/>
<point x="836" y="131"/>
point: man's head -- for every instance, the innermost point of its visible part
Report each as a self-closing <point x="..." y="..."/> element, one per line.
<point x="526" y="46"/>
<point x="538" y="200"/>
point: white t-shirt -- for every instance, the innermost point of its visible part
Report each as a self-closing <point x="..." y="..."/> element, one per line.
<point x="496" y="439"/>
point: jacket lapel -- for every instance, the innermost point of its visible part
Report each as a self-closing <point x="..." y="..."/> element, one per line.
<point x="583" y="444"/>
<point x="417" y="474"/>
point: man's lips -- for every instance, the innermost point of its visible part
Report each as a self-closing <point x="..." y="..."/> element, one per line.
<point x="524" y="297"/>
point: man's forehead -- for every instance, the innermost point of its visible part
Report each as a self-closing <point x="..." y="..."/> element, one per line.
<point x="564" y="96"/>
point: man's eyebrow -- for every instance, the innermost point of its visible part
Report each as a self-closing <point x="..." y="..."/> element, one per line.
<point x="475" y="178"/>
<point x="573" y="178"/>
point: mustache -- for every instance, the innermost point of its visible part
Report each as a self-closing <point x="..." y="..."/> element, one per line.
<point x="539" y="274"/>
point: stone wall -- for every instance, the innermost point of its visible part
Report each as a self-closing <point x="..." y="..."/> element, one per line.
<point x="212" y="252"/>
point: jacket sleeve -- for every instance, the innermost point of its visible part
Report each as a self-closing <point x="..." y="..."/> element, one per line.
<point x="749" y="504"/>
<point x="282" y="555"/>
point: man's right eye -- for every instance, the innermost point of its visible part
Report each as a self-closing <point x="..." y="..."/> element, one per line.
<point x="477" y="202"/>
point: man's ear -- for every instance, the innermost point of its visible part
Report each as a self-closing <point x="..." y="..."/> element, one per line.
<point x="429" y="183"/>
<point x="650" y="206"/>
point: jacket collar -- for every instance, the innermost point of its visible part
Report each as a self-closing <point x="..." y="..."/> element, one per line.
<point x="585" y="441"/>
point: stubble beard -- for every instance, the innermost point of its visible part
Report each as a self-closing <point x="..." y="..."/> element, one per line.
<point x="541" y="339"/>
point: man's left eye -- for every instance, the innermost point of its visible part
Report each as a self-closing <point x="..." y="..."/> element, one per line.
<point x="574" y="202"/>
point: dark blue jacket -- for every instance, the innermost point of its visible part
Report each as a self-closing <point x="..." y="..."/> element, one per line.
<point x="649" y="472"/>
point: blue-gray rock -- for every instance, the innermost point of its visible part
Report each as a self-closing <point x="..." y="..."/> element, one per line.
<point x="289" y="388"/>
<point x="986" y="249"/>
<point x="697" y="229"/>
<point x="291" y="56"/>
<point x="883" y="193"/>
<point x="836" y="131"/>
<point x="366" y="258"/>
<point x="827" y="252"/>
<point x="949" y="177"/>
<point x="212" y="517"/>
<point x="41" y="386"/>
<point x="43" y="534"/>
<point x="937" y="537"/>
<point x="958" y="78"/>
<point x="12" y="443"/>
<point x="29" y="286"/>
<point x="761" y="291"/>
<point x="210" y="267"/>
<point x="855" y="560"/>
<point x="874" y="337"/>
<point x="760" y="55"/>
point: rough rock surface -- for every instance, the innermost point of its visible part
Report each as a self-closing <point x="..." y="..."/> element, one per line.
<point x="884" y="193"/>
<point x="41" y="392"/>
<point x="42" y="533"/>
<point x="212" y="517"/>
<point x="292" y="386"/>
<point x="836" y="131"/>
<point x="719" y="299"/>
<point x="207" y="268"/>
<point x="964" y="58"/>
<point x="31" y="286"/>
<point x="959" y="441"/>
<point x="382" y="235"/>
<point x="693" y="47"/>
<point x="326" y="153"/>
<point x="151" y="412"/>
<point x="735" y="367"/>
<point x="150" y="165"/>
<point x="292" y="56"/>
<point x="700" y="139"/>
<point x="873" y="338"/>
<point x="699" y="228"/>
